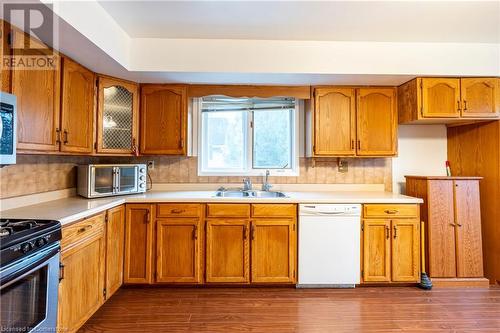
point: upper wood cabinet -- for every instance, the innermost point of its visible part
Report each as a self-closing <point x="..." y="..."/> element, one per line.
<point x="376" y="122"/>
<point x="354" y="122"/>
<point x="138" y="243"/>
<point x="77" y="108"/>
<point x="117" y="116"/>
<point x="37" y="93"/>
<point x="448" y="100"/>
<point x="115" y="246"/>
<point x="163" y="119"/>
<point x="335" y="121"/>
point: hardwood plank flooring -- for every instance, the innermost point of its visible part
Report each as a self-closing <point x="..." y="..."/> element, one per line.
<point x="367" y="309"/>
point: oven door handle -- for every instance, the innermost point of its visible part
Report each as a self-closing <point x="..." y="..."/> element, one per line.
<point x="35" y="263"/>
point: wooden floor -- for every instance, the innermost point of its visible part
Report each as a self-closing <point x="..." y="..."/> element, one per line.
<point x="382" y="309"/>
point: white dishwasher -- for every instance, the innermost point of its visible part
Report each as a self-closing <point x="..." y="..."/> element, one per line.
<point x="329" y="245"/>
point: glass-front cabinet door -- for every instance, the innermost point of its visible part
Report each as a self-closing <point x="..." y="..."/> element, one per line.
<point x="118" y="117"/>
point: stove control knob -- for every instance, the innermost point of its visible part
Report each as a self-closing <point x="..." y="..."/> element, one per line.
<point x="26" y="247"/>
<point x="41" y="242"/>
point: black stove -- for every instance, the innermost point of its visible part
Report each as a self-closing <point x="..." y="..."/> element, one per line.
<point x="22" y="237"/>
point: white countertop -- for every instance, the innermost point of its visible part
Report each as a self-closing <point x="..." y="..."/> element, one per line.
<point x="72" y="209"/>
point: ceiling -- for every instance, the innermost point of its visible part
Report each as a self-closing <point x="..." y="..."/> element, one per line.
<point x="381" y="21"/>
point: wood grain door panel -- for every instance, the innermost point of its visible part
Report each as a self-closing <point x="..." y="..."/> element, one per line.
<point x="77" y="108"/>
<point x="405" y="250"/>
<point x="440" y="98"/>
<point x="377" y="251"/>
<point x="334" y="122"/>
<point x="441" y="229"/>
<point x="273" y="251"/>
<point x="480" y="97"/>
<point x="138" y="243"/>
<point x="227" y="251"/>
<point x="468" y="219"/>
<point x="115" y="248"/>
<point x="178" y="250"/>
<point x="376" y="122"/>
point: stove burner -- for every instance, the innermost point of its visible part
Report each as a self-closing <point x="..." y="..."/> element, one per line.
<point x="8" y="227"/>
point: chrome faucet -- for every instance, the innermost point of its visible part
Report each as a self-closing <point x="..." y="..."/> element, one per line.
<point x="265" y="185"/>
<point x="247" y="184"/>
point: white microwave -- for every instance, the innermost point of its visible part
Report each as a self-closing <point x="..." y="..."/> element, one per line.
<point x="104" y="180"/>
<point x="8" y="128"/>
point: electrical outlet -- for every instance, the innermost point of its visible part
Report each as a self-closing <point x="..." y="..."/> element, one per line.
<point x="151" y="165"/>
<point x="343" y="166"/>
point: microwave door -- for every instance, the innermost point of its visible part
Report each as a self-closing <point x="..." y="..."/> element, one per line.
<point x="127" y="179"/>
<point x="103" y="181"/>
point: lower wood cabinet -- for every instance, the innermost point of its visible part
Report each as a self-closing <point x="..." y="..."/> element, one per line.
<point x="81" y="288"/>
<point x="391" y="246"/>
<point x="178" y="250"/>
<point x="115" y="246"/>
<point x="227" y="251"/>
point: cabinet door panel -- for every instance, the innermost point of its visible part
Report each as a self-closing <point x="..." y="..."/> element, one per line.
<point x="377" y="251"/>
<point x="138" y="243"/>
<point x="77" y="113"/>
<point x="115" y="243"/>
<point x="440" y="98"/>
<point x="273" y="250"/>
<point x="163" y="119"/>
<point x="227" y="251"/>
<point x="334" y="122"/>
<point x="117" y="116"/>
<point x="468" y="219"/>
<point x="376" y="122"/>
<point x="441" y="229"/>
<point x="81" y="289"/>
<point x="405" y="250"/>
<point x="178" y="250"/>
<point x="480" y="97"/>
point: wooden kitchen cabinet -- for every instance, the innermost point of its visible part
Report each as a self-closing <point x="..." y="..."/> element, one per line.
<point x="81" y="288"/>
<point x="273" y="250"/>
<point x="448" y="100"/>
<point x="178" y="250"/>
<point x="77" y="108"/>
<point x="354" y="122"/>
<point x="451" y="212"/>
<point x="376" y="122"/>
<point x="227" y="258"/>
<point x="117" y="116"/>
<point x="163" y="119"/>
<point x="115" y="248"/>
<point x="391" y="243"/>
<point x="138" y="243"/>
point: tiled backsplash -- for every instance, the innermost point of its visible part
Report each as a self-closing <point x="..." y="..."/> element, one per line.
<point x="42" y="173"/>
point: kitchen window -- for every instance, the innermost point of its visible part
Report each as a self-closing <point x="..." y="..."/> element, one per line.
<point x="246" y="136"/>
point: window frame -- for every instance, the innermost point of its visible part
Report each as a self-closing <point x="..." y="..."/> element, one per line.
<point x="293" y="170"/>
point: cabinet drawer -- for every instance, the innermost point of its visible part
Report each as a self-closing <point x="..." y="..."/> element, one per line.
<point x="228" y="210"/>
<point x="178" y="210"/>
<point x="79" y="231"/>
<point x="387" y="211"/>
<point x="269" y="210"/>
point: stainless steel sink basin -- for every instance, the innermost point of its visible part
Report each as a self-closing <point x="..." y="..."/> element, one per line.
<point x="249" y="194"/>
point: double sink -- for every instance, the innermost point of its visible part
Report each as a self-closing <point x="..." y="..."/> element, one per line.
<point x="237" y="193"/>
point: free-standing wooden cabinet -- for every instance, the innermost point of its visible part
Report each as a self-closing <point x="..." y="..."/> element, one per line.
<point x="163" y="119"/>
<point x="77" y="108"/>
<point x="354" y="122"/>
<point x="391" y="243"/>
<point x="117" y="116"/>
<point x="448" y="100"/>
<point x="115" y="244"/>
<point x="138" y="243"/>
<point x="81" y="289"/>
<point x="451" y="211"/>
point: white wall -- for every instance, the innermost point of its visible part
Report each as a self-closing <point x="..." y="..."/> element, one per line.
<point x="422" y="151"/>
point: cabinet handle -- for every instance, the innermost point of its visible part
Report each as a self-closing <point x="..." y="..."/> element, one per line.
<point x="395" y="232"/>
<point x="453" y="224"/>
<point x="391" y="211"/>
<point x="352" y="144"/>
<point x="387" y="231"/>
<point x="65" y="137"/>
<point x="244" y="232"/>
<point x="83" y="229"/>
<point x="458" y="106"/>
<point x="177" y="211"/>
<point x="134" y="148"/>
<point x="252" y="232"/>
<point x="195" y="232"/>
<point x="147" y="217"/>
<point x="459" y="224"/>
<point x="359" y="144"/>
<point x="61" y="272"/>
<point x="465" y="105"/>
<point x="58" y="135"/>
